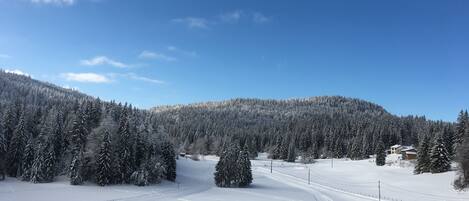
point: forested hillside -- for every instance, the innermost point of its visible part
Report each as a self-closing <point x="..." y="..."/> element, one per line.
<point x="327" y="126"/>
<point x="46" y="131"/>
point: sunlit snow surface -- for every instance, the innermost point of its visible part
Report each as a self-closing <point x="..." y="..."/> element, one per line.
<point x="346" y="181"/>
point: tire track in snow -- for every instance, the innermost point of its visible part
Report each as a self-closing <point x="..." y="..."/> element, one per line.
<point x="300" y="183"/>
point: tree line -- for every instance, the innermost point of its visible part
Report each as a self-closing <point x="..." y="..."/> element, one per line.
<point x="46" y="131"/>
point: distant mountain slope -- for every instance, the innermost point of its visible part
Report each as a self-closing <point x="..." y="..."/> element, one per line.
<point x="14" y="87"/>
<point x="324" y="125"/>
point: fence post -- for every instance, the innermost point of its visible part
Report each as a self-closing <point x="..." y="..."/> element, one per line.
<point x="379" y="190"/>
<point x="271" y="162"/>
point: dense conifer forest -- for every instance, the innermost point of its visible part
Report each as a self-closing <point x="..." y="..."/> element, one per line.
<point x="48" y="131"/>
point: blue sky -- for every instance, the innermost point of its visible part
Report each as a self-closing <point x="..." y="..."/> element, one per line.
<point x="409" y="56"/>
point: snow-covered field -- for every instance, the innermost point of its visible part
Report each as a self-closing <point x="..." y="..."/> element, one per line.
<point x="346" y="181"/>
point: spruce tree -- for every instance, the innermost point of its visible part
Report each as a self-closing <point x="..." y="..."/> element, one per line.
<point x="16" y="148"/>
<point x="291" y="153"/>
<point x="380" y="154"/>
<point x="462" y="157"/>
<point x="169" y="159"/>
<point x="423" y="156"/>
<point x="104" y="171"/>
<point x="226" y="171"/>
<point x="76" y="168"/>
<point x="440" y="161"/>
<point x="3" y="149"/>
<point x="245" y="172"/>
<point x="27" y="161"/>
<point x="125" y="150"/>
<point x="462" y="125"/>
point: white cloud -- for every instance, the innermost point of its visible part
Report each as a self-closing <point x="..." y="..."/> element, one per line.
<point x="86" y="77"/>
<point x="102" y="60"/>
<point x="232" y="17"/>
<point x="4" y="56"/>
<point x="55" y="2"/>
<point x="155" y="55"/>
<point x="260" y="18"/>
<point x="145" y="79"/>
<point x="193" y="22"/>
<point x="181" y="51"/>
<point x="18" y="72"/>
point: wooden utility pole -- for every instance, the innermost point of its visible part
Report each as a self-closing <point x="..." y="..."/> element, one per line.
<point x="309" y="175"/>
<point x="379" y="190"/>
<point x="271" y="162"/>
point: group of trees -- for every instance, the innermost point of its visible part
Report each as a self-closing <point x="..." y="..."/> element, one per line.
<point x="234" y="167"/>
<point x="462" y="150"/>
<point x="319" y="127"/>
<point x="435" y="153"/>
<point x="46" y="131"/>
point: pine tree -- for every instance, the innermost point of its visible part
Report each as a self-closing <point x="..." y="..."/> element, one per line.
<point x="125" y="150"/>
<point x="245" y="172"/>
<point x="462" y="157"/>
<point x="104" y="171"/>
<point x="16" y="148"/>
<point x="448" y="140"/>
<point x="440" y="161"/>
<point x="291" y="153"/>
<point x="461" y="127"/>
<point x="380" y="154"/>
<point x="169" y="159"/>
<point x="76" y="168"/>
<point x="27" y="161"/>
<point x="3" y="149"/>
<point x="226" y="171"/>
<point x="355" y="152"/>
<point x="423" y="156"/>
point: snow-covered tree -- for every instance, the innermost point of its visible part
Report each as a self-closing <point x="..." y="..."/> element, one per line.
<point x="139" y="177"/>
<point x="169" y="160"/>
<point x="380" y="154"/>
<point x="27" y="161"/>
<point x="125" y="149"/>
<point x="76" y="168"/>
<point x="462" y="157"/>
<point x="423" y="156"/>
<point x="104" y="171"/>
<point x="440" y="160"/>
<point x="244" y="164"/>
<point x="291" y="153"/>
<point x="16" y="148"/>
<point x="3" y="149"/>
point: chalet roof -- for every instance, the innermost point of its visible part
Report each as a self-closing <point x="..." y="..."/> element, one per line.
<point x="396" y="146"/>
<point x="411" y="152"/>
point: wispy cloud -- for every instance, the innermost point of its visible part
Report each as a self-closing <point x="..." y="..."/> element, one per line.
<point x="155" y="55"/>
<point x="260" y="18"/>
<point x="4" y="56"/>
<point x="183" y="52"/>
<point x="55" y="2"/>
<point x="193" y="22"/>
<point x="145" y="79"/>
<point x="133" y="76"/>
<point x="86" y="77"/>
<point x="103" y="60"/>
<point x="231" y="17"/>
<point x="18" y="72"/>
